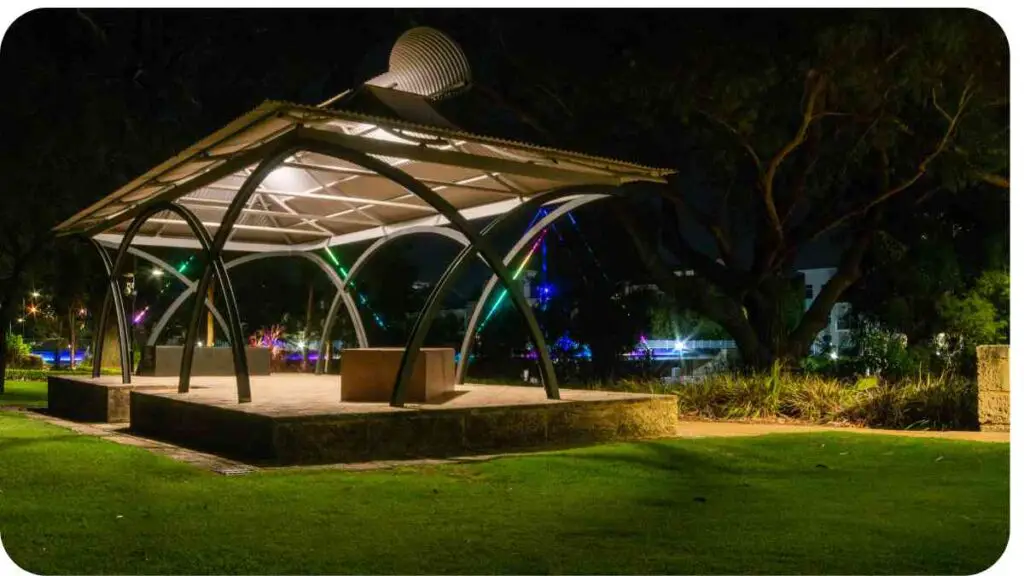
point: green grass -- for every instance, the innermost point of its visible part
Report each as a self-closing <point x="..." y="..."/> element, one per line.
<point x="27" y="393"/>
<point x="809" y="503"/>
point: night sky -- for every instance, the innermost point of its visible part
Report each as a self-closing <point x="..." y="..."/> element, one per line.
<point x="114" y="92"/>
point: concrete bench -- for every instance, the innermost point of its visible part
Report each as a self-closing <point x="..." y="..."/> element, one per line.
<point x="368" y="374"/>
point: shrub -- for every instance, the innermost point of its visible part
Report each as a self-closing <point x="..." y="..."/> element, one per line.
<point x="946" y="401"/>
<point x="41" y="374"/>
<point x="818" y="399"/>
<point x="17" y="350"/>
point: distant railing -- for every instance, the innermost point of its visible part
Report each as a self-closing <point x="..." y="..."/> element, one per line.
<point x="691" y="344"/>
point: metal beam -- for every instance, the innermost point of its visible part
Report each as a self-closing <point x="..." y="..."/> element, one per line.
<point x="221" y="206"/>
<point x="368" y="174"/>
<point x="297" y="231"/>
<point x="460" y="159"/>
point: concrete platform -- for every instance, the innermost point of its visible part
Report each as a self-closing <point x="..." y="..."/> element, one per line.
<point x="298" y="419"/>
<point x="104" y="399"/>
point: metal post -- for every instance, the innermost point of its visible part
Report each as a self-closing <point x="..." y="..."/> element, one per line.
<point x="113" y="295"/>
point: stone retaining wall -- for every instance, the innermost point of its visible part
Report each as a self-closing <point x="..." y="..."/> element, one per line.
<point x="994" y="388"/>
<point x="359" y="437"/>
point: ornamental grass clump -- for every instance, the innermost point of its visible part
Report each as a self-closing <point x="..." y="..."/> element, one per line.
<point x="943" y="401"/>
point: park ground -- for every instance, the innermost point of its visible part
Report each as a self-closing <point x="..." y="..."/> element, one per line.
<point x="800" y="502"/>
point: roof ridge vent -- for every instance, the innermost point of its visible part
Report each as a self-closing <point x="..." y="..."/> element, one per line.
<point x="427" y="62"/>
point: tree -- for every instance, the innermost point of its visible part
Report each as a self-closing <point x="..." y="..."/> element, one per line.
<point x="952" y="243"/>
<point x="804" y="129"/>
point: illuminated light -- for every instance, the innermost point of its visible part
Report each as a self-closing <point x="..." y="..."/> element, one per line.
<point x="32" y="309"/>
<point x="834" y="355"/>
<point x="199" y="344"/>
<point x="344" y="275"/>
<point x="35" y="294"/>
<point x="21" y="320"/>
<point x="156" y="273"/>
<point x="184" y="265"/>
<point x="519" y="270"/>
<point x="140" y="315"/>
<point x="82" y="311"/>
<point x="679" y="346"/>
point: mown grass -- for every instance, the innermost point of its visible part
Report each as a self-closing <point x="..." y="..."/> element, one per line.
<point x="26" y="393"/>
<point x="810" y="503"/>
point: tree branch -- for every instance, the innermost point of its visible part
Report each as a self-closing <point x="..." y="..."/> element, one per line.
<point x="815" y="86"/>
<point x="742" y="141"/>
<point x="922" y="167"/>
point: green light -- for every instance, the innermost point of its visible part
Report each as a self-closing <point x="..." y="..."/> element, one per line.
<point x="344" y="273"/>
<point x="515" y="276"/>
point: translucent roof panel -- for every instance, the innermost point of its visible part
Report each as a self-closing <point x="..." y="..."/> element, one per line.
<point x="313" y="200"/>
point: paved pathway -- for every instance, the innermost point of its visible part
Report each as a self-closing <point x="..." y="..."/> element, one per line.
<point x="706" y="429"/>
<point x="119" y="433"/>
<point x="684" y="429"/>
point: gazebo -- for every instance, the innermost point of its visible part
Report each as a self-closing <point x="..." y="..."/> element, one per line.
<point x="295" y="180"/>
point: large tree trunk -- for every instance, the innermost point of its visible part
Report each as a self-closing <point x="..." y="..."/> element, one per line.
<point x="753" y="314"/>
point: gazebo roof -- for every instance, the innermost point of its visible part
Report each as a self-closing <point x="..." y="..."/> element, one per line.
<point x="312" y="201"/>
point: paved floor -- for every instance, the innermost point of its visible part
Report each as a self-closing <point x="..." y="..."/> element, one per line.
<point x="308" y="394"/>
<point x="707" y="429"/>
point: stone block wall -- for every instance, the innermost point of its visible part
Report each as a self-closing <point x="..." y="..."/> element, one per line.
<point x="994" y="387"/>
<point x="359" y="437"/>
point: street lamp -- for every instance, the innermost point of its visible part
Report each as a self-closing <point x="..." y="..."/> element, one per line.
<point x="156" y="273"/>
<point x="35" y="294"/>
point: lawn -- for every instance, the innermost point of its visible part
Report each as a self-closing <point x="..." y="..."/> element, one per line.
<point x="28" y="393"/>
<point x="811" y="503"/>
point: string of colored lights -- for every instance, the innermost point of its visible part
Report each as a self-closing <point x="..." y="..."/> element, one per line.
<point x="515" y="276"/>
<point x="362" y="298"/>
<point x="589" y="249"/>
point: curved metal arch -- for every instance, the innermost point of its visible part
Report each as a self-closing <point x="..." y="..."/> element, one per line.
<point x="524" y="241"/>
<point x="342" y="294"/>
<point x="158" y="328"/>
<point x="303" y="139"/>
<point x="430" y="309"/>
<point x="278" y="154"/>
<point x="455" y="235"/>
<point x="113" y="295"/>
<point x="213" y="261"/>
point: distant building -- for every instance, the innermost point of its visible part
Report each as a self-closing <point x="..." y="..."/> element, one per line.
<point x="836" y="333"/>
